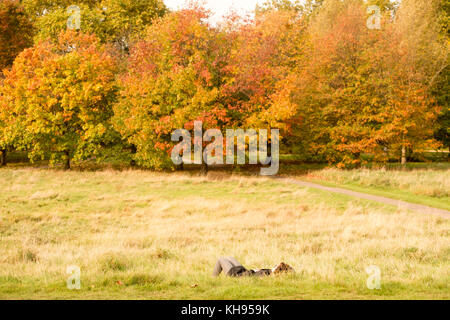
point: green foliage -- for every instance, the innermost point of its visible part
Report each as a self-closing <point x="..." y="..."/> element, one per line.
<point x="51" y="24"/>
<point x="114" y="21"/>
<point x="442" y="94"/>
<point x="126" y="20"/>
<point x="270" y="5"/>
<point x="441" y="89"/>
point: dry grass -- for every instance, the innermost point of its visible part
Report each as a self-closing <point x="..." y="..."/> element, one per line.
<point x="433" y="183"/>
<point x="137" y="234"/>
<point x="427" y="186"/>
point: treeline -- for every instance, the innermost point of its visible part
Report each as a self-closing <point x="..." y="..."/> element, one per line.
<point x="341" y="85"/>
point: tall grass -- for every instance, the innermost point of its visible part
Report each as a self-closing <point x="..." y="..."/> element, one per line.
<point x="137" y="234"/>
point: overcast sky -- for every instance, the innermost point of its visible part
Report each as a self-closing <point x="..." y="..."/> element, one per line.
<point x="219" y="7"/>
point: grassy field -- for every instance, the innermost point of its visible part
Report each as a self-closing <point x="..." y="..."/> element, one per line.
<point x="138" y="234"/>
<point x="428" y="185"/>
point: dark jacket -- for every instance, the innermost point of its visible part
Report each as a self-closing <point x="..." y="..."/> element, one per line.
<point x="240" y="271"/>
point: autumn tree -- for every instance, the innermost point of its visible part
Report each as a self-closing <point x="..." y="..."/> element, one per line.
<point x="173" y="78"/>
<point x="57" y="98"/>
<point x="16" y="32"/>
<point x="336" y="91"/>
<point x="418" y="60"/>
<point x="113" y="21"/>
<point x="357" y="94"/>
<point x="441" y="87"/>
<point x="441" y="92"/>
<point x="264" y="51"/>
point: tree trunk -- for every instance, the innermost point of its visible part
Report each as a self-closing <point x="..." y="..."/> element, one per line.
<point x="403" y="155"/>
<point x="133" y="152"/>
<point x="204" y="166"/>
<point x="204" y="169"/>
<point x="2" y="157"/>
<point x="67" y="160"/>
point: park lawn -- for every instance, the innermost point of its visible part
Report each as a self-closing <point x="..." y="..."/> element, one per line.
<point x="146" y="235"/>
<point x="427" y="186"/>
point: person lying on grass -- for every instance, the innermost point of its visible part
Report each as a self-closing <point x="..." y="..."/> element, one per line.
<point x="233" y="268"/>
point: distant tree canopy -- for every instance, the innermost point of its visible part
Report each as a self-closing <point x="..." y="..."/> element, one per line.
<point x="441" y="88"/>
<point x="114" y="21"/>
<point x="370" y="88"/>
<point x="16" y="31"/>
<point x="132" y="72"/>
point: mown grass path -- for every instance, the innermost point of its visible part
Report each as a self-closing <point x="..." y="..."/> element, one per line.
<point x="384" y="200"/>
